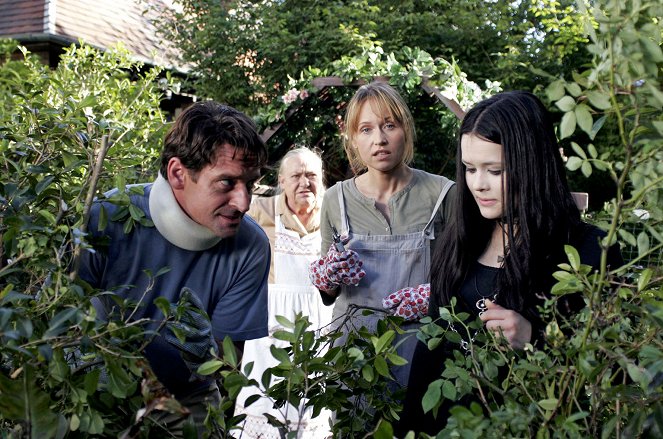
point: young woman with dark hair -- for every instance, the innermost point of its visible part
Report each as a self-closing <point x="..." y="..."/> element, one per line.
<point x="514" y="213"/>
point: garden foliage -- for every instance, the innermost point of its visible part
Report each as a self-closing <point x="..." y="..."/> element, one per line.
<point x="69" y="134"/>
<point x="65" y="136"/>
<point x="600" y="373"/>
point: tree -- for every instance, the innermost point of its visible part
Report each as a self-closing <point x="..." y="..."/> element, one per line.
<point x="243" y="52"/>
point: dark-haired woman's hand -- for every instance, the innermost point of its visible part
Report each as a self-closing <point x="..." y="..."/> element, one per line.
<point x="508" y="323"/>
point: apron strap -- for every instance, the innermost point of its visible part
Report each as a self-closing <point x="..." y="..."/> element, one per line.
<point x="445" y="189"/>
<point x="278" y="224"/>
<point x="345" y="230"/>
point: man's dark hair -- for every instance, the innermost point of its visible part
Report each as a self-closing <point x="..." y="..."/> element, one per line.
<point x="202" y="128"/>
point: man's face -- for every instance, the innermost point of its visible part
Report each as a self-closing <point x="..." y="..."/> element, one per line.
<point x="220" y="194"/>
<point x="300" y="180"/>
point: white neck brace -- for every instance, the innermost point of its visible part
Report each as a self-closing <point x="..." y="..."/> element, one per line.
<point x="173" y="223"/>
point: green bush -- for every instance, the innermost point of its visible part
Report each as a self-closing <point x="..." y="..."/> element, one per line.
<point x="66" y="135"/>
<point x="93" y="123"/>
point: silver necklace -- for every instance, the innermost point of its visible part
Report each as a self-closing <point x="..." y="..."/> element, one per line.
<point x="482" y="307"/>
<point x="481" y="303"/>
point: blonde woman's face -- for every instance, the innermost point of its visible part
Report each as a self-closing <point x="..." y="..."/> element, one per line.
<point x="379" y="139"/>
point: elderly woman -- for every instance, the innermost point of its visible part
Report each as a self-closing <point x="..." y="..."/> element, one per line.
<point x="291" y="220"/>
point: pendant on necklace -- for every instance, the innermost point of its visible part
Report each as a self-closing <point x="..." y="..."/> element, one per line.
<point x="481" y="306"/>
<point x="500" y="259"/>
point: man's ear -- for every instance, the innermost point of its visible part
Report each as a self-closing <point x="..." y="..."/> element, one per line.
<point x="281" y="178"/>
<point x="177" y="173"/>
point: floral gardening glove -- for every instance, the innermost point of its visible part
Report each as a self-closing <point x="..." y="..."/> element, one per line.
<point x="336" y="269"/>
<point x="191" y="332"/>
<point x="409" y="303"/>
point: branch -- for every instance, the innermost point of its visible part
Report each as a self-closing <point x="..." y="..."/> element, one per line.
<point x="96" y="174"/>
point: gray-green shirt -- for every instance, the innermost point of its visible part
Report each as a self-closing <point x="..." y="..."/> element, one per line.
<point x="410" y="209"/>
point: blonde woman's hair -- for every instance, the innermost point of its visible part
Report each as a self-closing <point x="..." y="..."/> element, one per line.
<point x="384" y="101"/>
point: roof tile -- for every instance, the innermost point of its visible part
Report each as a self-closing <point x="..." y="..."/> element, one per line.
<point x="101" y="23"/>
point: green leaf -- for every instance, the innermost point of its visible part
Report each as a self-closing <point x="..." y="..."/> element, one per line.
<point x="445" y="314"/>
<point x="578" y="150"/>
<point x="432" y="396"/>
<point x="652" y="49"/>
<point x="43" y="184"/>
<point x="548" y="404"/>
<point x="68" y="158"/>
<point x="381" y="366"/>
<point x="573" y="89"/>
<point x="384" y="430"/>
<point x="644" y="278"/>
<point x="229" y="351"/>
<point x="598" y="124"/>
<point x="119" y="381"/>
<point x="627" y="236"/>
<point x="285" y="336"/>
<point x="367" y="373"/>
<point x="555" y="90"/>
<point x="103" y="219"/>
<point x="574" y="258"/>
<point x="355" y="354"/>
<point x="48" y="216"/>
<point x="135" y="212"/>
<point x="91" y="381"/>
<point x="599" y="100"/>
<point x="449" y="390"/>
<point x="396" y="359"/>
<point x="210" y="367"/>
<point x="643" y="243"/>
<point x="284" y="322"/>
<point x="383" y="342"/>
<point x="23" y="400"/>
<point x="74" y="422"/>
<point x="574" y="163"/>
<point x="58" y="367"/>
<point x="96" y="424"/>
<point x="280" y="354"/>
<point x="563" y="276"/>
<point x="566" y="104"/>
<point x="584" y="118"/>
<point x="593" y="153"/>
<point x="586" y="169"/>
<point x="637" y="374"/>
<point x="568" y="124"/>
<point x="59" y="323"/>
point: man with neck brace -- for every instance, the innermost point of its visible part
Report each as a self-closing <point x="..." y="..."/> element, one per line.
<point x="211" y="157"/>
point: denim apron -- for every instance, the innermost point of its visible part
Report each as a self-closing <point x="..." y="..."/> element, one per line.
<point x="291" y="292"/>
<point x="391" y="262"/>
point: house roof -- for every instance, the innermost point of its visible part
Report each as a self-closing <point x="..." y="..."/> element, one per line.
<point x="100" y="23"/>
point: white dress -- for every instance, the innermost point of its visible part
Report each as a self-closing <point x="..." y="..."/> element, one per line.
<point x="291" y="293"/>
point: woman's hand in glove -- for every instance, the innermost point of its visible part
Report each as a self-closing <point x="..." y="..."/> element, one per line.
<point x="336" y="269"/>
<point x="410" y="303"/>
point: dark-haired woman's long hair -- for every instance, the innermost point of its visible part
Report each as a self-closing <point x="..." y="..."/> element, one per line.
<point x="540" y="213"/>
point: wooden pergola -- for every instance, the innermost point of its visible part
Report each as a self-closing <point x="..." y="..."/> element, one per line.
<point x="325" y="82"/>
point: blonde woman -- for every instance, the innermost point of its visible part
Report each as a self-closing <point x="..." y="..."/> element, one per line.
<point x="388" y="214"/>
